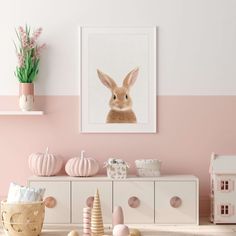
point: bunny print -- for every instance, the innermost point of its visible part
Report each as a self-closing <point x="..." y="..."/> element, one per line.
<point x="120" y="101"/>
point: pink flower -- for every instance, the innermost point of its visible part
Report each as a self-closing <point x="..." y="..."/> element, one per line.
<point x="36" y="34"/>
<point x="21" y="30"/>
<point x="34" y="37"/>
<point x="20" y="60"/>
<point x="32" y="44"/>
<point x="42" y="46"/>
<point x="28" y="45"/>
<point x="23" y="36"/>
<point x="39" y="49"/>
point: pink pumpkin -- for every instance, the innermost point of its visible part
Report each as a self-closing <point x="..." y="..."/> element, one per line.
<point x="82" y="166"/>
<point x="44" y="164"/>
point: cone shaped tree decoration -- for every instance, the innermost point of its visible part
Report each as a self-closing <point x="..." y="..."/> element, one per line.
<point x="97" y="228"/>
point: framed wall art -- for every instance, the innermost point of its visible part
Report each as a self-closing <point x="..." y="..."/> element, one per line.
<point x="118" y="80"/>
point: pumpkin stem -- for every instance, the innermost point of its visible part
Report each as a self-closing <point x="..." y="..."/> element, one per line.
<point x="82" y="154"/>
<point x="47" y="151"/>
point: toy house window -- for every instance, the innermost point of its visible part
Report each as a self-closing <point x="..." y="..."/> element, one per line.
<point x="225" y="210"/>
<point x="225" y="185"/>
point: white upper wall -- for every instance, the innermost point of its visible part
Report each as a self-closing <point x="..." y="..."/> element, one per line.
<point x="196" y="41"/>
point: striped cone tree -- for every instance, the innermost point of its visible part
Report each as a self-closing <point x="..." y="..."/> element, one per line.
<point x="97" y="227"/>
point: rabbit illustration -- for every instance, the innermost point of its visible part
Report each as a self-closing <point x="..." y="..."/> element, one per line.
<point x="120" y="102"/>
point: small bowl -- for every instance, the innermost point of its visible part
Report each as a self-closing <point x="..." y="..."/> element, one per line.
<point x="148" y="167"/>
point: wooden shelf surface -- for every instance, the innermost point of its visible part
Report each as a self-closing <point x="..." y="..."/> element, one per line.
<point x="21" y="113"/>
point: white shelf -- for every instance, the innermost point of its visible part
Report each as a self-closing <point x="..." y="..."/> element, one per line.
<point x="21" y="113"/>
<point x="65" y="178"/>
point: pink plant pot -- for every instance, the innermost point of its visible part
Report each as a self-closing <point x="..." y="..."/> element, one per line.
<point x="26" y="96"/>
<point x="26" y="89"/>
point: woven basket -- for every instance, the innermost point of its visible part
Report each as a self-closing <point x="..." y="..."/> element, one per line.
<point x="116" y="168"/>
<point x="22" y="219"/>
<point x="117" y="171"/>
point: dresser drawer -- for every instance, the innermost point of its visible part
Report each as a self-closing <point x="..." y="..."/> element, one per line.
<point x="137" y="200"/>
<point x="82" y="193"/>
<point x="176" y="202"/>
<point x="60" y="191"/>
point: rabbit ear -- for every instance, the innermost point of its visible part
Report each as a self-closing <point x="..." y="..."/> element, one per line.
<point x="131" y="78"/>
<point x="106" y="80"/>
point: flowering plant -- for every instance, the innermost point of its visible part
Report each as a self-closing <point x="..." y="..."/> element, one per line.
<point x="28" y="53"/>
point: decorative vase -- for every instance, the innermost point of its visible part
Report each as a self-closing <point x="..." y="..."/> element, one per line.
<point x="26" y="99"/>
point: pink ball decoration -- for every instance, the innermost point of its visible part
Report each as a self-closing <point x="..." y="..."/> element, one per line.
<point x="121" y="230"/>
<point x="82" y="166"/>
<point x="44" y="164"/>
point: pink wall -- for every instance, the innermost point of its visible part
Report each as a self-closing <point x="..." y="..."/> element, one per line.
<point x="189" y="129"/>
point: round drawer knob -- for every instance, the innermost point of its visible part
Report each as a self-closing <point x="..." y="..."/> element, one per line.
<point x="89" y="201"/>
<point x="175" y="202"/>
<point x="50" y="202"/>
<point x="134" y="202"/>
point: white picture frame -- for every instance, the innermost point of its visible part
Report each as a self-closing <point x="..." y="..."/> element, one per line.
<point x="116" y="52"/>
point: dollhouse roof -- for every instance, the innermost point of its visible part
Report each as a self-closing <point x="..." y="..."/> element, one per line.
<point x="223" y="164"/>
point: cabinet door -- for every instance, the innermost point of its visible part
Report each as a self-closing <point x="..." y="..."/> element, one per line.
<point x="60" y="191"/>
<point x="136" y="199"/>
<point x="82" y="191"/>
<point x="176" y="202"/>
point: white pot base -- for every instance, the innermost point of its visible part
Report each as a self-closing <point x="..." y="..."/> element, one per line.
<point x="26" y="102"/>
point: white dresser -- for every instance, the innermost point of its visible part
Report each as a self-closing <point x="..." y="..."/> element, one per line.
<point x="161" y="200"/>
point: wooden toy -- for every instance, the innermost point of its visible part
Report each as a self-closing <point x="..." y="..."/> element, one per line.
<point x="134" y="232"/>
<point x="73" y="233"/>
<point x="121" y="230"/>
<point x="223" y="191"/>
<point x="117" y="216"/>
<point x="87" y="220"/>
<point x="97" y="228"/>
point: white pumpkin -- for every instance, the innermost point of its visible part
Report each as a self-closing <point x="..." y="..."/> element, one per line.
<point x="44" y="164"/>
<point x="82" y="166"/>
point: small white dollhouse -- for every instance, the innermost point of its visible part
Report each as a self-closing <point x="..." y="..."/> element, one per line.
<point x="223" y="189"/>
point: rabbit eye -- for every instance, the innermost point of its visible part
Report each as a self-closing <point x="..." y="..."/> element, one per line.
<point x="114" y="97"/>
<point x="126" y="96"/>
